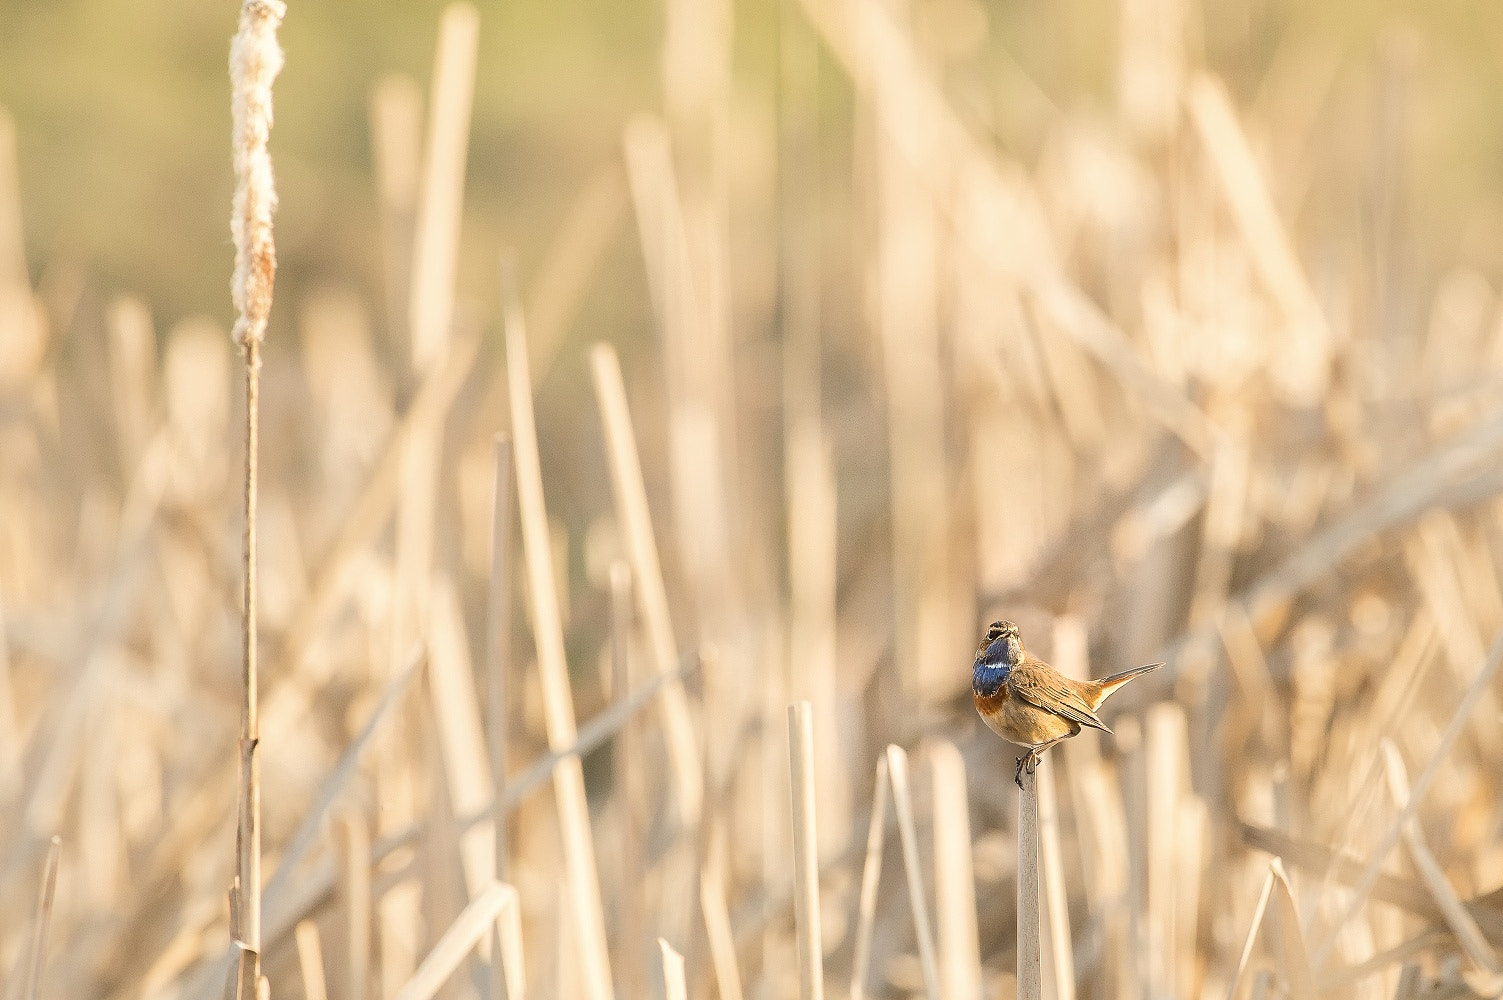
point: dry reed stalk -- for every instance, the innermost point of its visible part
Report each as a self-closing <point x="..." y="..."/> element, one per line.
<point x="435" y="249"/>
<point x="1151" y="66"/>
<point x="396" y="122"/>
<point x="717" y="918"/>
<point x="1192" y="827"/>
<point x="11" y="748"/>
<point x="673" y="972"/>
<point x="497" y="668"/>
<point x="461" y="736"/>
<point x="1252" y="933"/>
<point x="558" y="706"/>
<point x="1030" y="966"/>
<point x="1411" y="983"/>
<point x="902" y="801"/>
<point x="954" y="882"/>
<point x="1301" y="368"/>
<point x="310" y="961"/>
<point x="1060" y="972"/>
<point x="255" y="61"/>
<point x="467" y="930"/>
<point x="811" y="975"/>
<point x="133" y="356"/>
<point x="629" y="950"/>
<point x="354" y="836"/>
<point x="636" y="523"/>
<point x="812" y="575"/>
<point x="1486" y="976"/>
<point x="871" y="874"/>
<point x="36" y="955"/>
<point x="1298" y="978"/>
<point x="1168" y="741"/>
<point x="1364" y="884"/>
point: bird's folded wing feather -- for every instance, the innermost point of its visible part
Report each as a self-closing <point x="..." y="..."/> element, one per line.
<point x="1055" y="697"/>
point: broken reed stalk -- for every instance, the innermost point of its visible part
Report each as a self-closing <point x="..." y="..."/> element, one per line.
<point x="954" y="882"/>
<point x="45" y="896"/>
<point x="255" y="60"/>
<point x="1030" y="965"/>
<point x="435" y="247"/>
<point x="673" y="972"/>
<point x="902" y="802"/>
<point x="310" y="961"/>
<point x="805" y="851"/>
<point x="712" y="904"/>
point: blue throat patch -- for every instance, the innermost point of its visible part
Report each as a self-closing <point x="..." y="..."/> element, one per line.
<point x="991" y="669"/>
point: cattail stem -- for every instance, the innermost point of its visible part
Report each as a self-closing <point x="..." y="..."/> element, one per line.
<point x="255" y="61"/>
<point x="249" y="866"/>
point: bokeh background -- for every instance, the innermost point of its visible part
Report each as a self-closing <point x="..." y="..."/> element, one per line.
<point x="1168" y="329"/>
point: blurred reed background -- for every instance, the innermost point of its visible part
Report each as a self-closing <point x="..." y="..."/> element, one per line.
<point x="816" y="334"/>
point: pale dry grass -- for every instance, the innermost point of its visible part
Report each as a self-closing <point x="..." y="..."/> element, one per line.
<point x="1113" y="387"/>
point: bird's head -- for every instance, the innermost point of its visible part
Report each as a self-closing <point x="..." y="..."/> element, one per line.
<point x="1001" y="649"/>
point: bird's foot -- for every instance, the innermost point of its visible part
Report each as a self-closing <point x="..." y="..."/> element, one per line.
<point x="1030" y="760"/>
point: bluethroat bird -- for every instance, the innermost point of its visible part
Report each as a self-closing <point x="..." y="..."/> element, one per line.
<point x="1025" y="701"/>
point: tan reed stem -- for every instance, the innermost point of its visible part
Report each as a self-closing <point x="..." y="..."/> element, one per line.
<point x="255" y="60"/>
<point x="310" y="960"/>
<point x="673" y="973"/>
<point x="1030" y="965"/>
<point x="871" y="874"/>
<point x="498" y="664"/>
<point x="805" y="850"/>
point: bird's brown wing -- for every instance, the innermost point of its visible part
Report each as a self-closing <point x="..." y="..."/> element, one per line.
<point x="1053" y="694"/>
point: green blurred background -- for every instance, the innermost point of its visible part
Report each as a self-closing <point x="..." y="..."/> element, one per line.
<point x="122" y="113"/>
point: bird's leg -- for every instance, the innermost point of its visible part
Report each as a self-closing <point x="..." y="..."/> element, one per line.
<point x="1031" y="759"/>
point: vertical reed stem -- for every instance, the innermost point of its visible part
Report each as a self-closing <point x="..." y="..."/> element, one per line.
<point x="1030" y="968"/>
<point x="805" y="850"/>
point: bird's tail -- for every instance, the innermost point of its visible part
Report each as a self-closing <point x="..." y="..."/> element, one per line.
<point x="1103" y="688"/>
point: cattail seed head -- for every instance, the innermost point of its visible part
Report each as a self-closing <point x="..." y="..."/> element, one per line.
<point x="255" y="60"/>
